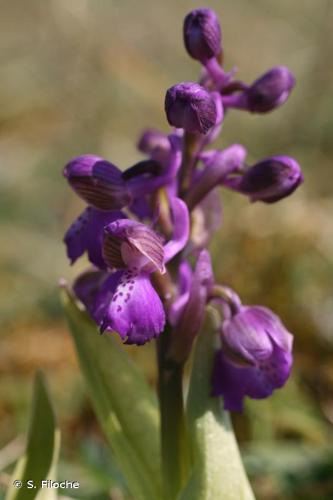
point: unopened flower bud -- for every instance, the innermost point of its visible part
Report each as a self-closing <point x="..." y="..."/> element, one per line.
<point x="153" y="140"/>
<point x="270" y="90"/>
<point x="190" y="106"/>
<point x="202" y="34"/>
<point x="269" y="180"/>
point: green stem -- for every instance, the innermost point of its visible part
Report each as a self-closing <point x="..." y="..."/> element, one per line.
<point x="190" y="149"/>
<point x="173" y="429"/>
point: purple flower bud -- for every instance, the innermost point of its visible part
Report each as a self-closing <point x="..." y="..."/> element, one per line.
<point x="269" y="180"/>
<point x="202" y="34"/>
<point x="270" y="90"/>
<point x="130" y="244"/>
<point x="255" y="358"/>
<point x="98" y="182"/>
<point x="190" y="106"/>
<point x="153" y="140"/>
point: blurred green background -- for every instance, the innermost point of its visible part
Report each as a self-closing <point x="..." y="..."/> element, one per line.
<point x="84" y="76"/>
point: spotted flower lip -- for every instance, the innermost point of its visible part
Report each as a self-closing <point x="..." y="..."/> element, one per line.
<point x="131" y="244"/>
<point x="269" y="180"/>
<point x="202" y="34"/>
<point x="135" y="311"/>
<point x="191" y="107"/>
<point x="255" y="357"/>
<point x="98" y="182"/>
<point x="124" y="302"/>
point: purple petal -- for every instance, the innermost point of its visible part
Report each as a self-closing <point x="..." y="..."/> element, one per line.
<point x="234" y="382"/>
<point x="135" y="310"/>
<point x="184" y="284"/>
<point x="246" y="337"/>
<point x="202" y="34"/>
<point x="269" y="180"/>
<point x="181" y="228"/>
<point x="148" y="176"/>
<point x="265" y="94"/>
<point x="87" y="287"/>
<point x="85" y="234"/>
<point x="218" y="165"/>
<point x="98" y="182"/>
<point x="251" y="332"/>
<point x="154" y="143"/>
<point x="270" y="90"/>
<point x="191" y="107"/>
<point x="273" y="326"/>
<point x="128" y="243"/>
<point x="192" y="315"/>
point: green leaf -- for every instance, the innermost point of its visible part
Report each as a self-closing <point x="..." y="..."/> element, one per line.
<point x="42" y="451"/>
<point x="124" y="403"/>
<point x="218" y="471"/>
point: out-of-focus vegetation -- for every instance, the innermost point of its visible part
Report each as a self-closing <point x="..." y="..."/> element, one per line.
<point x="81" y="76"/>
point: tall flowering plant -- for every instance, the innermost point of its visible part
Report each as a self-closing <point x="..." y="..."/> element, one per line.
<point x="146" y="231"/>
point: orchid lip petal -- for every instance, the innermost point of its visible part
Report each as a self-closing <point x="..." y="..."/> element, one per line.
<point x="234" y="382"/>
<point x="135" y="310"/>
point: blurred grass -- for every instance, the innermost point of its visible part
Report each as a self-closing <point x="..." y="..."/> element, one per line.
<point x="84" y="76"/>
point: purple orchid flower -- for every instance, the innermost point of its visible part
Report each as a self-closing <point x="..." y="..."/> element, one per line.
<point x="146" y="226"/>
<point x="126" y="301"/>
<point x="255" y="357"/>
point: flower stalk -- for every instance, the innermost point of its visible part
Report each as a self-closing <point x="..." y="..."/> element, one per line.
<point x="174" y="443"/>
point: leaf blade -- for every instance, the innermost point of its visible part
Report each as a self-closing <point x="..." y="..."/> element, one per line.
<point x="124" y="404"/>
<point x="218" y="470"/>
<point x="42" y="450"/>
